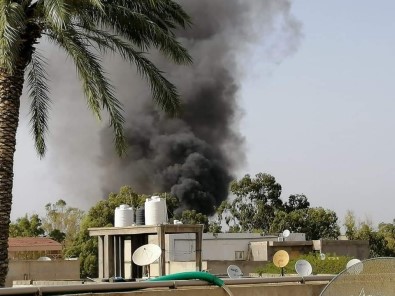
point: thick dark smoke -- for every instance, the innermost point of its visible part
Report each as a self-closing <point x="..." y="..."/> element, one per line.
<point x="194" y="156"/>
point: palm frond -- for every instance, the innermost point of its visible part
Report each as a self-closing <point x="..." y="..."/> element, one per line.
<point x="164" y="92"/>
<point x="12" y="25"/>
<point x="144" y="28"/>
<point x="98" y="91"/>
<point x="40" y="101"/>
<point x="56" y="12"/>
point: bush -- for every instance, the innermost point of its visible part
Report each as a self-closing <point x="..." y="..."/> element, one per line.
<point x="331" y="265"/>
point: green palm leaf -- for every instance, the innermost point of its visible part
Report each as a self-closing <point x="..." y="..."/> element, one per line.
<point x="40" y="101"/>
<point x="164" y="92"/>
<point x="97" y="89"/>
<point x="12" y="25"/>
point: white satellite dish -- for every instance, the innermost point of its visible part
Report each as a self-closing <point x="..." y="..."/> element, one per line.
<point x="354" y="266"/>
<point x="234" y="272"/>
<point x="146" y="254"/>
<point x="286" y="233"/>
<point x="303" y="267"/>
<point x="44" y="259"/>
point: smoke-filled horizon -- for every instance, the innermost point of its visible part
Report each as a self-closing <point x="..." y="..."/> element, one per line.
<point x="196" y="155"/>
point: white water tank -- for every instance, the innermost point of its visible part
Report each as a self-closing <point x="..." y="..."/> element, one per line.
<point x="155" y="211"/>
<point x="123" y="216"/>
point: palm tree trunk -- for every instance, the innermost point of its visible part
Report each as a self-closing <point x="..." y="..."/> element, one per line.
<point x="10" y="93"/>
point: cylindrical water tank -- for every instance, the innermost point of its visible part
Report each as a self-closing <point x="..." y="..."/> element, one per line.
<point x="123" y="216"/>
<point x="155" y="211"/>
<point x="140" y="219"/>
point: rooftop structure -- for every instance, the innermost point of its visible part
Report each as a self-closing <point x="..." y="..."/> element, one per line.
<point x="111" y="246"/>
<point x="31" y="248"/>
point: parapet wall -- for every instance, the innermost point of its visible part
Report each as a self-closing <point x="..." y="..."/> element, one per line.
<point x="42" y="270"/>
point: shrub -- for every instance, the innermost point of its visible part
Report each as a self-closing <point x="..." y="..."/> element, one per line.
<point x="331" y="265"/>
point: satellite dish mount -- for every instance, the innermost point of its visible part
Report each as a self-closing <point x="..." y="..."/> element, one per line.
<point x="145" y="255"/>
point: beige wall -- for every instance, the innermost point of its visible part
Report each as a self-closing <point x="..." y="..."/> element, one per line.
<point x="43" y="270"/>
<point x="353" y="248"/>
<point x="213" y="266"/>
<point x="311" y="289"/>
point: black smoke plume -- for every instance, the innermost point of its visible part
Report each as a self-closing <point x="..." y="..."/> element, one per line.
<point x="194" y="156"/>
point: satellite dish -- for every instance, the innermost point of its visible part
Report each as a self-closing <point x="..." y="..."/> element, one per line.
<point x="146" y="254"/>
<point x="354" y="266"/>
<point x="44" y="259"/>
<point x="322" y="256"/>
<point x="234" y="272"/>
<point x="377" y="278"/>
<point x="286" y="233"/>
<point x="303" y="267"/>
<point x="281" y="258"/>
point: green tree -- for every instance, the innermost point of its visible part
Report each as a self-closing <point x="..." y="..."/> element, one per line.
<point x="83" y="29"/>
<point x="350" y="225"/>
<point x="136" y="200"/>
<point x="172" y="203"/>
<point x="296" y="202"/>
<point x="100" y="215"/>
<point x="193" y="217"/>
<point x="387" y="230"/>
<point x="256" y="200"/>
<point x="27" y="227"/>
<point x="381" y="240"/>
<point x="57" y="235"/>
<point x="214" y="227"/>
<point x="62" y="221"/>
<point x="316" y="223"/>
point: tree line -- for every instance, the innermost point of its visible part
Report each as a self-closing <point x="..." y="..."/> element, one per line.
<point x="255" y="207"/>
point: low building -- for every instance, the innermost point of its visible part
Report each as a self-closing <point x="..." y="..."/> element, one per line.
<point x="38" y="258"/>
<point x="185" y="248"/>
<point x="32" y="248"/>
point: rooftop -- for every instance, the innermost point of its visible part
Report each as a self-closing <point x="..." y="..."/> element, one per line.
<point x="33" y="244"/>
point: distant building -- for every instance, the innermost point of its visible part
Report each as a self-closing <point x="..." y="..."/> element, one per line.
<point x="185" y="248"/>
<point x="250" y="250"/>
<point x="32" y="248"/>
<point x="38" y="258"/>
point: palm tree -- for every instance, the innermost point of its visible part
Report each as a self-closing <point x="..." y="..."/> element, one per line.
<point x="84" y="29"/>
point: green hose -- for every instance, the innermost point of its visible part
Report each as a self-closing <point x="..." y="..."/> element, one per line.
<point x="191" y="275"/>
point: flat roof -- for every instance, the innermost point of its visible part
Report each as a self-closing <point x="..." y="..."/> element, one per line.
<point x="146" y="229"/>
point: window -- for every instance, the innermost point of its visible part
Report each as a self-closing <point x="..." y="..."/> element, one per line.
<point x="239" y="255"/>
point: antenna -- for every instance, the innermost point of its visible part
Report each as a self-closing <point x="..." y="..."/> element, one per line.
<point x="303" y="267"/>
<point x="286" y="233"/>
<point x="234" y="272"/>
<point x="145" y="255"/>
<point x="281" y="259"/>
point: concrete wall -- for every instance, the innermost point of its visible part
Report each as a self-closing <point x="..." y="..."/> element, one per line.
<point x="353" y="248"/>
<point x="294" y="249"/>
<point x="213" y="266"/>
<point x="220" y="267"/>
<point x="175" y="267"/>
<point x="43" y="270"/>
<point x="285" y="289"/>
<point x="221" y="246"/>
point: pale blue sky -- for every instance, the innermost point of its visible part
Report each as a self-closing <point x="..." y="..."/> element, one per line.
<point x="320" y="121"/>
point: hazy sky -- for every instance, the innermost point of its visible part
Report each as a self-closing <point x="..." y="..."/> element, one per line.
<point x="319" y="121"/>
